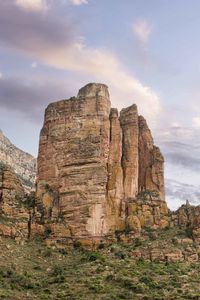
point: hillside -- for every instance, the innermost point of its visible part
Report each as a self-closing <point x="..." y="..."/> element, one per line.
<point x="22" y="163"/>
<point x="34" y="271"/>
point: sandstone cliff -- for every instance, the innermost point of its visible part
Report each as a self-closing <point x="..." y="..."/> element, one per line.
<point x="93" y="162"/>
<point x="22" y="163"/>
<point x="14" y="215"/>
<point x="100" y="178"/>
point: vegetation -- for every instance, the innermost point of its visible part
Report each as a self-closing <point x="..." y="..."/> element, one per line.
<point x="26" y="182"/>
<point x="34" y="271"/>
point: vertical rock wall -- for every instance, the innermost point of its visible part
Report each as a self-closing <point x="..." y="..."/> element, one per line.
<point x="115" y="191"/>
<point x="129" y="124"/>
<point x="14" y="215"/>
<point x="151" y="162"/>
<point x="72" y="161"/>
<point x="92" y="161"/>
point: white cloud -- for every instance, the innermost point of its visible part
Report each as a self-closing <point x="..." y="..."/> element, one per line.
<point x="53" y="43"/>
<point x="100" y="65"/>
<point x="175" y="125"/>
<point x="32" y="5"/>
<point x="142" y="30"/>
<point x="34" y="65"/>
<point x="78" y="2"/>
<point x="178" y="192"/>
<point x="105" y="67"/>
<point x="196" y="121"/>
<point x="1" y="75"/>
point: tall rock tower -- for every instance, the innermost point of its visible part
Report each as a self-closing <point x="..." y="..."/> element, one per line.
<point x="92" y="161"/>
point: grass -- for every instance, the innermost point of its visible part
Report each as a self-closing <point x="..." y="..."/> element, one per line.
<point x="33" y="271"/>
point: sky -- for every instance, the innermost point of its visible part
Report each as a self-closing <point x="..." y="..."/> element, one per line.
<point x="146" y="51"/>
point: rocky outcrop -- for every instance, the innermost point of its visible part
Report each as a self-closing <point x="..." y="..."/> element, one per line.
<point x="130" y="159"/>
<point x="189" y="216"/>
<point x="151" y="162"/>
<point x="115" y="190"/>
<point x="22" y="163"/>
<point x="14" y="216"/>
<point x="100" y="178"/>
<point x="72" y="161"/>
<point x="148" y="211"/>
<point x="93" y="162"/>
<point x="10" y="189"/>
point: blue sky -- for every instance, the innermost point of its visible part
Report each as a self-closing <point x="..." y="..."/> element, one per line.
<point x="146" y="51"/>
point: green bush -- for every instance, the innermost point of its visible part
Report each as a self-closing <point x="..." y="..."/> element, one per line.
<point x="77" y="244"/>
<point x="101" y="245"/>
<point x="47" y="252"/>
<point x="93" y="256"/>
<point x="120" y="255"/>
<point x="57" y="270"/>
<point x="47" y="231"/>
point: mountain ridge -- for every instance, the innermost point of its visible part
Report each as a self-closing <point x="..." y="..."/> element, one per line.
<point x="23" y="163"/>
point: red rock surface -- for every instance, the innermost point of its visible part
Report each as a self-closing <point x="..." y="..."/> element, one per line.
<point x="91" y="162"/>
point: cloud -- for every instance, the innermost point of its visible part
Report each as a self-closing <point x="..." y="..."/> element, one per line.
<point x="142" y="30"/>
<point x="29" y="33"/>
<point x="196" y="121"/>
<point x="1" y="75"/>
<point x="30" y="100"/>
<point x="78" y="2"/>
<point x="180" y="145"/>
<point x="32" y="5"/>
<point x="34" y="65"/>
<point x="177" y="193"/>
<point x="50" y="41"/>
<point x="186" y="160"/>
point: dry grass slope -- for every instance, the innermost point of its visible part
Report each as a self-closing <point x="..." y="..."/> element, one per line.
<point x="34" y="271"/>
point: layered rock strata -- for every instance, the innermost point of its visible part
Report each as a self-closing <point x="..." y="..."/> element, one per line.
<point x="14" y="216"/>
<point x="21" y="162"/>
<point x="93" y="162"/>
<point x="151" y="162"/>
<point x="189" y="216"/>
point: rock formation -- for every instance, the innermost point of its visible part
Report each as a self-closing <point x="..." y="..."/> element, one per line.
<point x="93" y="162"/>
<point x="151" y="162"/>
<point x="100" y="178"/>
<point x="21" y="162"/>
<point x="14" y="217"/>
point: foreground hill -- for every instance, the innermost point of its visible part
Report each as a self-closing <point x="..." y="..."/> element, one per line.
<point x="34" y="271"/>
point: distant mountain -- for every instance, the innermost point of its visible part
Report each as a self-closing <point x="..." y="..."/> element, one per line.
<point x="22" y="163"/>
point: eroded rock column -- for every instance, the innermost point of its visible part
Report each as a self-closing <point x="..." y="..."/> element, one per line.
<point x="115" y="192"/>
<point x="129" y="124"/>
<point x="151" y="162"/>
<point x="72" y="161"/>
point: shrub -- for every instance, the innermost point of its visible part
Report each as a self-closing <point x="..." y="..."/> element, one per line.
<point x="47" y="252"/>
<point x="77" y="244"/>
<point x="101" y="245"/>
<point x="62" y="251"/>
<point x="57" y="270"/>
<point x="188" y="232"/>
<point x="120" y="255"/>
<point x="47" y="231"/>
<point x="93" y="256"/>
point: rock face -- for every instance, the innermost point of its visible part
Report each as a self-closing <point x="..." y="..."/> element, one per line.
<point x="130" y="159"/>
<point x="189" y="216"/>
<point x="92" y="162"/>
<point x="14" y="217"/>
<point x="151" y="162"/>
<point x="22" y="163"/>
<point x="10" y="188"/>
